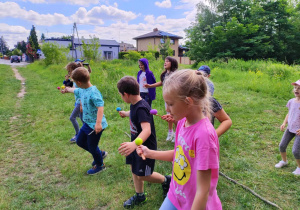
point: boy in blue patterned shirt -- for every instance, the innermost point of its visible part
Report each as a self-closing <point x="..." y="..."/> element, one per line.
<point x="93" y="117"/>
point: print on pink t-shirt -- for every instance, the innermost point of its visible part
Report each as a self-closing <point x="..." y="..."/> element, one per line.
<point x="196" y="148"/>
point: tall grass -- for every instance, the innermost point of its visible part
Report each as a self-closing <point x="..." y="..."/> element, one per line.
<point x="41" y="170"/>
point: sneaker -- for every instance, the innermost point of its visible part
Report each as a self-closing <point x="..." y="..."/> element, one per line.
<point x="166" y="185"/>
<point x="73" y="139"/>
<point x="170" y="136"/>
<point x="135" y="200"/>
<point x="104" y="154"/>
<point x="281" y="164"/>
<point x="96" y="169"/>
<point x="297" y="171"/>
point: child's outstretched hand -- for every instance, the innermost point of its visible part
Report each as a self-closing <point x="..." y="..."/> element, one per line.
<point x="282" y="127"/>
<point x="122" y="114"/>
<point x="127" y="148"/>
<point x="147" y="86"/>
<point x="298" y="132"/>
<point x="142" y="150"/>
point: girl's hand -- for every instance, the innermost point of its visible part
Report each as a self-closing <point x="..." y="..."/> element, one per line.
<point x="127" y="148"/>
<point x="122" y="114"/>
<point x="147" y="86"/>
<point x="98" y="128"/>
<point x="298" y="132"/>
<point x="282" y="127"/>
<point x="168" y="118"/>
<point x="63" y="91"/>
<point x="142" y="150"/>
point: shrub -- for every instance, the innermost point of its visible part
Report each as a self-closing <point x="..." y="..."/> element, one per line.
<point x="54" y="54"/>
<point x="133" y="55"/>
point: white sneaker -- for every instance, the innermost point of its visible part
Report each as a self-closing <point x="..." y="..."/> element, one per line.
<point x="281" y="164"/>
<point x="297" y="171"/>
<point x="170" y="136"/>
<point x="173" y="137"/>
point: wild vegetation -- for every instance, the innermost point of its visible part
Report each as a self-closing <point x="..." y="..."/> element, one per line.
<point x="40" y="169"/>
<point x="246" y="29"/>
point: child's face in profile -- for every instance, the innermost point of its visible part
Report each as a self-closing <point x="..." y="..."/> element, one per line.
<point x="141" y="65"/>
<point x="176" y="106"/>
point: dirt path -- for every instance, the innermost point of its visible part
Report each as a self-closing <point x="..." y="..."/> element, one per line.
<point x="19" y="77"/>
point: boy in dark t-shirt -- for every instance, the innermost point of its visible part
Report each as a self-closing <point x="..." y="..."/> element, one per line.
<point x="141" y="126"/>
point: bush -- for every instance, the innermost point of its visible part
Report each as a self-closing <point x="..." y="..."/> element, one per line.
<point x="54" y="54"/>
<point x="133" y="55"/>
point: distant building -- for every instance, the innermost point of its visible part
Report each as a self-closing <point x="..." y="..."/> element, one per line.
<point x="157" y="37"/>
<point x="125" y="47"/>
<point x="109" y="48"/>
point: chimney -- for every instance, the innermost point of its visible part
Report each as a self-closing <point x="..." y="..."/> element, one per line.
<point x="155" y="29"/>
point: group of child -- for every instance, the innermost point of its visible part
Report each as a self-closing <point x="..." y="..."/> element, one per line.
<point x="189" y="105"/>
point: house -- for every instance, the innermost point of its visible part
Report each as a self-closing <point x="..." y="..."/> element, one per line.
<point x="125" y="47"/>
<point x="157" y="37"/>
<point x="109" y="48"/>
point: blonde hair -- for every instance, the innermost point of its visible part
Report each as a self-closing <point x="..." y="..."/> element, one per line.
<point x="189" y="83"/>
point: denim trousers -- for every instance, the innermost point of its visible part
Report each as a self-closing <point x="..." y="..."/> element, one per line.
<point x="89" y="140"/>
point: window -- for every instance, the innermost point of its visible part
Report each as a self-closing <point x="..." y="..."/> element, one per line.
<point x="173" y="52"/>
<point x="172" y="41"/>
<point x="162" y="41"/>
<point x="108" y="55"/>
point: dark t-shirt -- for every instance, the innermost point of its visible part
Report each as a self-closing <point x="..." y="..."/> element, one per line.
<point x="140" y="112"/>
<point x="216" y="106"/>
<point x="68" y="83"/>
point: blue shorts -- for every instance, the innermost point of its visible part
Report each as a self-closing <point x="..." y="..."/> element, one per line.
<point x="167" y="205"/>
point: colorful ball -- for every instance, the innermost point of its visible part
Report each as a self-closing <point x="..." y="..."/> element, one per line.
<point x="58" y="88"/>
<point x="153" y="111"/>
<point x="138" y="141"/>
<point x="118" y="109"/>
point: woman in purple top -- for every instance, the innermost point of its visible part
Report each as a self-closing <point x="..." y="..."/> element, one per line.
<point x="293" y="130"/>
<point x="145" y="76"/>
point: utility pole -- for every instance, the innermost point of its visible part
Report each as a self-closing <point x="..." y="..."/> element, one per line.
<point x="73" y="43"/>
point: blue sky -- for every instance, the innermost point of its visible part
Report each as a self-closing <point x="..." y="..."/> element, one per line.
<point x="120" y="20"/>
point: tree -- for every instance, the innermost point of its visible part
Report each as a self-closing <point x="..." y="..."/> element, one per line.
<point x="247" y="29"/>
<point x="3" y="46"/>
<point x="165" y="49"/>
<point x="91" y="49"/>
<point x="34" y="40"/>
<point x="43" y="37"/>
<point x="22" y="46"/>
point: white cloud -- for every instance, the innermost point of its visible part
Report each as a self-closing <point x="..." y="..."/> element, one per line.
<point x="11" y="9"/>
<point x="74" y="2"/>
<point x="96" y="15"/>
<point x="13" y="34"/>
<point x="164" y="4"/>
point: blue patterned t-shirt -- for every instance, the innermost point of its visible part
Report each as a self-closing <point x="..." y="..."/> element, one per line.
<point x="91" y="98"/>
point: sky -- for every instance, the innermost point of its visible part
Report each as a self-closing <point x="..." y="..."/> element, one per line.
<point x="119" y="20"/>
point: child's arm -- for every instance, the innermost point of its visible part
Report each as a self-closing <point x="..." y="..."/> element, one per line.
<point x="68" y="90"/>
<point x="284" y="122"/>
<point x="124" y="113"/>
<point x="154" y="154"/>
<point x="203" y="186"/>
<point x="98" y="126"/>
<point x="225" y="121"/>
<point x="127" y="148"/>
<point x="157" y="84"/>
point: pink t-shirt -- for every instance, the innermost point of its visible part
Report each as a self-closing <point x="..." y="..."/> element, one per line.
<point x="294" y="115"/>
<point x="196" y="148"/>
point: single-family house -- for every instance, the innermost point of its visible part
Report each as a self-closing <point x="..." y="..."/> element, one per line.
<point x="157" y="37"/>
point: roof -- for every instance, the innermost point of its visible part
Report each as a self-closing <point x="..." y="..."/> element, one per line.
<point x="158" y="33"/>
<point x="103" y="42"/>
<point x="183" y="47"/>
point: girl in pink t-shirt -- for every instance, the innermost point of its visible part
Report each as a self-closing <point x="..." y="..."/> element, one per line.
<point x="196" y="153"/>
<point x="293" y="130"/>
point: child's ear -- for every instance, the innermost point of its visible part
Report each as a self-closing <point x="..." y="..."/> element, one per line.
<point x="188" y="100"/>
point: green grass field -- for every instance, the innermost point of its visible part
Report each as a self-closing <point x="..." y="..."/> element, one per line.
<point x="40" y="169"/>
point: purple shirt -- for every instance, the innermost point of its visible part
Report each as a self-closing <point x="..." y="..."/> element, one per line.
<point x="294" y="115"/>
<point x="149" y="77"/>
